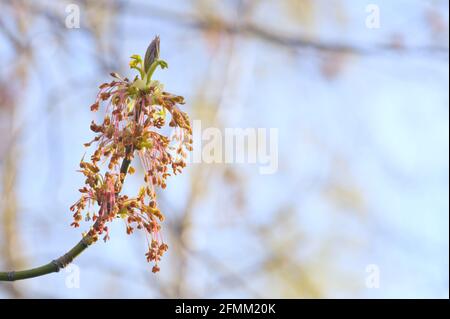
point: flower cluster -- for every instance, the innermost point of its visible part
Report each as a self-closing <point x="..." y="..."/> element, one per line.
<point x="134" y="122"/>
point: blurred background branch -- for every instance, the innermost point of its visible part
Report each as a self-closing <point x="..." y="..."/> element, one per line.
<point x="363" y="151"/>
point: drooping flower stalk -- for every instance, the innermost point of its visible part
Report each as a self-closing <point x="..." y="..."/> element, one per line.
<point x="134" y="123"/>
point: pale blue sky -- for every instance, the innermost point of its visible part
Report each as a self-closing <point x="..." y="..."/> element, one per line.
<point x="381" y="126"/>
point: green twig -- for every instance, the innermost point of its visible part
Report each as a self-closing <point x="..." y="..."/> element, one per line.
<point x="61" y="262"/>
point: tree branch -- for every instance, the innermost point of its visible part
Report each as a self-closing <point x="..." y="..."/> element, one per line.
<point x="61" y="262"/>
<point x="257" y="31"/>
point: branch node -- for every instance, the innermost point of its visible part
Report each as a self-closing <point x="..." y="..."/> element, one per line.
<point x="11" y="275"/>
<point x="58" y="264"/>
<point x="85" y="242"/>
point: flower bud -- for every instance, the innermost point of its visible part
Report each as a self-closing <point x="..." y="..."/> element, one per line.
<point x="152" y="53"/>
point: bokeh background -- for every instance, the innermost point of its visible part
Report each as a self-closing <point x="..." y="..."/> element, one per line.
<point x="363" y="118"/>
